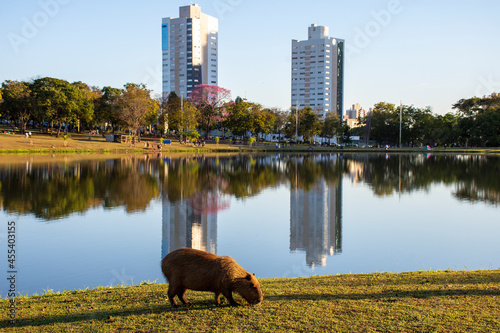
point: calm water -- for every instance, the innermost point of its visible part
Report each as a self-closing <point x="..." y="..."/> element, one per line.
<point x="106" y="222"/>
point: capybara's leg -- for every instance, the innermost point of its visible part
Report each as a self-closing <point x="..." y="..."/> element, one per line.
<point x="172" y="291"/>
<point x="229" y="295"/>
<point x="182" y="296"/>
<point x="217" y="298"/>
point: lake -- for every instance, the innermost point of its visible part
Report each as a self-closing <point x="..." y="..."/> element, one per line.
<point x="83" y="222"/>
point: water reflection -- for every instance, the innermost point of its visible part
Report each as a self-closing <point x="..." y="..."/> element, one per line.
<point x="262" y="209"/>
<point x="190" y="218"/>
<point x="316" y="215"/>
<point x="195" y="189"/>
<point x="191" y="223"/>
<point x="54" y="190"/>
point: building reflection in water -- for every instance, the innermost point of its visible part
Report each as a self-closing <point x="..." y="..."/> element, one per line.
<point x="315" y="213"/>
<point x="191" y="222"/>
<point x="316" y="221"/>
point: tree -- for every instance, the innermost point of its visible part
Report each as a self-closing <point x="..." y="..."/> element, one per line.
<point x="56" y="100"/>
<point x="418" y="126"/>
<point x="385" y="123"/>
<point x="137" y="107"/>
<point x="478" y="120"/>
<point x="238" y="120"/>
<point x="190" y="117"/>
<point x="330" y="124"/>
<point x="263" y="120"/>
<point x="16" y="104"/>
<point x="280" y="119"/>
<point x="446" y="128"/>
<point x="171" y="113"/>
<point x="309" y="123"/>
<point x="178" y="115"/>
<point x="107" y="110"/>
<point x="344" y="133"/>
<point x="291" y="124"/>
<point x="85" y="98"/>
<point x="211" y="101"/>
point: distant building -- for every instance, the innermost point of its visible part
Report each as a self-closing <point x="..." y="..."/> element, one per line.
<point x="318" y="72"/>
<point x="352" y="115"/>
<point x="190" y="51"/>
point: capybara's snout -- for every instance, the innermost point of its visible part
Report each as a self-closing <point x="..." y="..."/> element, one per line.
<point x="257" y="301"/>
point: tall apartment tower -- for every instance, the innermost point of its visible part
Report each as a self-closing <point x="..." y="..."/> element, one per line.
<point x="318" y="72"/>
<point x="189" y="47"/>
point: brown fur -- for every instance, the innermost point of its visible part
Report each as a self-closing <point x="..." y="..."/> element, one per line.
<point x="203" y="271"/>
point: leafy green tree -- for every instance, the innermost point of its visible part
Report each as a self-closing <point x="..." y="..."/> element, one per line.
<point x="446" y="129"/>
<point x="478" y="120"/>
<point x="291" y="124"/>
<point x="171" y="112"/>
<point x="16" y="104"/>
<point x="192" y="135"/>
<point x="238" y="120"/>
<point x="56" y="100"/>
<point x="179" y="116"/>
<point x="385" y="123"/>
<point x="418" y="126"/>
<point x="85" y="98"/>
<point x="280" y="119"/>
<point x="309" y="123"/>
<point x="137" y="107"/>
<point x="191" y="115"/>
<point x="106" y="109"/>
<point x="330" y="124"/>
<point x="263" y="120"/>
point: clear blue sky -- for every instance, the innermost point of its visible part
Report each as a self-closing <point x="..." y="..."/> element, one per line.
<point x="423" y="52"/>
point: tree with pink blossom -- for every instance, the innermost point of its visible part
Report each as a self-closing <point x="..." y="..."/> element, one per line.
<point x="211" y="100"/>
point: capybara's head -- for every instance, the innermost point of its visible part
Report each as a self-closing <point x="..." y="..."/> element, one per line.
<point x="249" y="288"/>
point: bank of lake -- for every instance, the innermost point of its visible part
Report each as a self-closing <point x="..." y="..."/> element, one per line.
<point x="430" y="301"/>
<point x="88" y="144"/>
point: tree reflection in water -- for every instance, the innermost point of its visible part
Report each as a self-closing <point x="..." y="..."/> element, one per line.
<point x="52" y="191"/>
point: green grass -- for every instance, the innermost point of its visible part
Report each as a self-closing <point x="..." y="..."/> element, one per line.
<point x="444" y="301"/>
<point x="79" y="144"/>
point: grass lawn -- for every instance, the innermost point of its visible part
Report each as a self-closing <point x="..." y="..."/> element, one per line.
<point x="44" y="143"/>
<point x="443" y="301"/>
<point x="85" y="143"/>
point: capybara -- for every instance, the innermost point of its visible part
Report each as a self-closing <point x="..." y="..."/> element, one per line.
<point x="203" y="271"/>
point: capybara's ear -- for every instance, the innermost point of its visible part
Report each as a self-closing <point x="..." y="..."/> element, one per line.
<point x="253" y="274"/>
<point x="248" y="277"/>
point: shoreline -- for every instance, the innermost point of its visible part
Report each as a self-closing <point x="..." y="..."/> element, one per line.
<point x="409" y="301"/>
<point x="80" y="144"/>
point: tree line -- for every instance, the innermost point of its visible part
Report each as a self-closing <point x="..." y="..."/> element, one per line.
<point x="49" y="102"/>
<point x="475" y="122"/>
<point x="211" y="108"/>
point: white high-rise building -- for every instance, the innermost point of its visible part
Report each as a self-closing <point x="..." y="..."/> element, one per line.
<point x="318" y="72"/>
<point x="189" y="46"/>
